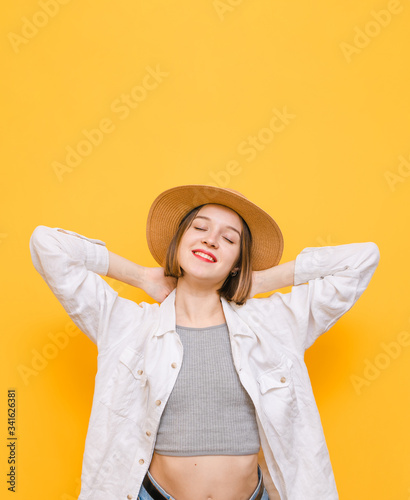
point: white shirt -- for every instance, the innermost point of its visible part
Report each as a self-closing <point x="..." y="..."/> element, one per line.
<point x="140" y="355"/>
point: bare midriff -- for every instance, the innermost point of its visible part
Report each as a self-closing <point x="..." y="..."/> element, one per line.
<point x="206" y="477"/>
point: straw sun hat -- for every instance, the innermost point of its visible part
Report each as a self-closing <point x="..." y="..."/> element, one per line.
<point x="169" y="208"/>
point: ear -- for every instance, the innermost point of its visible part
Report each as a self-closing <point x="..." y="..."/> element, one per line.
<point x="234" y="271"/>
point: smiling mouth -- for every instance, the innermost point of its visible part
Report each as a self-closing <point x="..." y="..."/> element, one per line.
<point x="204" y="256"/>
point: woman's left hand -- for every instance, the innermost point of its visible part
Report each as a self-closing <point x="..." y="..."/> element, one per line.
<point x="274" y="278"/>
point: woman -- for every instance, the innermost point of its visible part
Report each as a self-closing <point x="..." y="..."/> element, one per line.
<point x="186" y="392"/>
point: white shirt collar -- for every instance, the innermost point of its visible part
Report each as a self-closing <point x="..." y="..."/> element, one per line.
<point x="168" y="318"/>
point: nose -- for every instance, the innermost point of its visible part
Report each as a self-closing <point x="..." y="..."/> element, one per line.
<point x="210" y="240"/>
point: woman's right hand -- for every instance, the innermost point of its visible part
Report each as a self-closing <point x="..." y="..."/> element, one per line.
<point x="156" y="284"/>
<point x="150" y="279"/>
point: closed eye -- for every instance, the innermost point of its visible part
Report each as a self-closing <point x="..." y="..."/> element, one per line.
<point x="203" y="229"/>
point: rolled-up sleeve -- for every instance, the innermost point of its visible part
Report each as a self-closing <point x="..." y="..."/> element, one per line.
<point x="335" y="277"/>
<point x="71" y="267"/>
<point x="327" y="283"/>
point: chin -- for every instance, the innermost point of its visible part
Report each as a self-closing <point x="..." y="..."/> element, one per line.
<point x="197" y="274"/>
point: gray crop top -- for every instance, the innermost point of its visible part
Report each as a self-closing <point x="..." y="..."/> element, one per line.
<point x="208" y="411"/>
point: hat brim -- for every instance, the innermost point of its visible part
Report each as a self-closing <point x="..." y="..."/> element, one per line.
<point x="169" y="208"/>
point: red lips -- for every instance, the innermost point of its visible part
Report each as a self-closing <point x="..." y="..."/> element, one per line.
<point x="205" y="252"/>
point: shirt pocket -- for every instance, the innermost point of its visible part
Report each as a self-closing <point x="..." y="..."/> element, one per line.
<point x="278" y="398"/>
<point x="126" y="391"/>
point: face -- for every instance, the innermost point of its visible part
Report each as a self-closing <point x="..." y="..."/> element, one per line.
<point x="210" y="246"/>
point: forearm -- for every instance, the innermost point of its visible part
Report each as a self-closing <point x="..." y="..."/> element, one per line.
<point x="125" y="270"/>
<point x="273" y="278"/>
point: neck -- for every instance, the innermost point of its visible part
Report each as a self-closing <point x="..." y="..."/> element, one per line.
<point x="197" y="307"/>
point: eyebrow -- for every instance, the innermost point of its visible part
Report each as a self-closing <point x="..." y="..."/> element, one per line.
<point x="207" y="218"/>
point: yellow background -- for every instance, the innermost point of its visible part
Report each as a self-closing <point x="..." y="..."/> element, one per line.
<point x="331" y="176"/>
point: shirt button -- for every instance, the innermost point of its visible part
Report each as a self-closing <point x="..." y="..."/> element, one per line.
<point x="148" y="433"/>
<point x="140" y="372"/>
<point x="157" y="402"/>
<point x="174" y="365"/>
<point x="283" y="380"/>
<point x="141" y="461"/>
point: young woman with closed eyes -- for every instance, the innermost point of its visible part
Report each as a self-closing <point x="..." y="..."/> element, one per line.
<point x="192" y="389"/>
